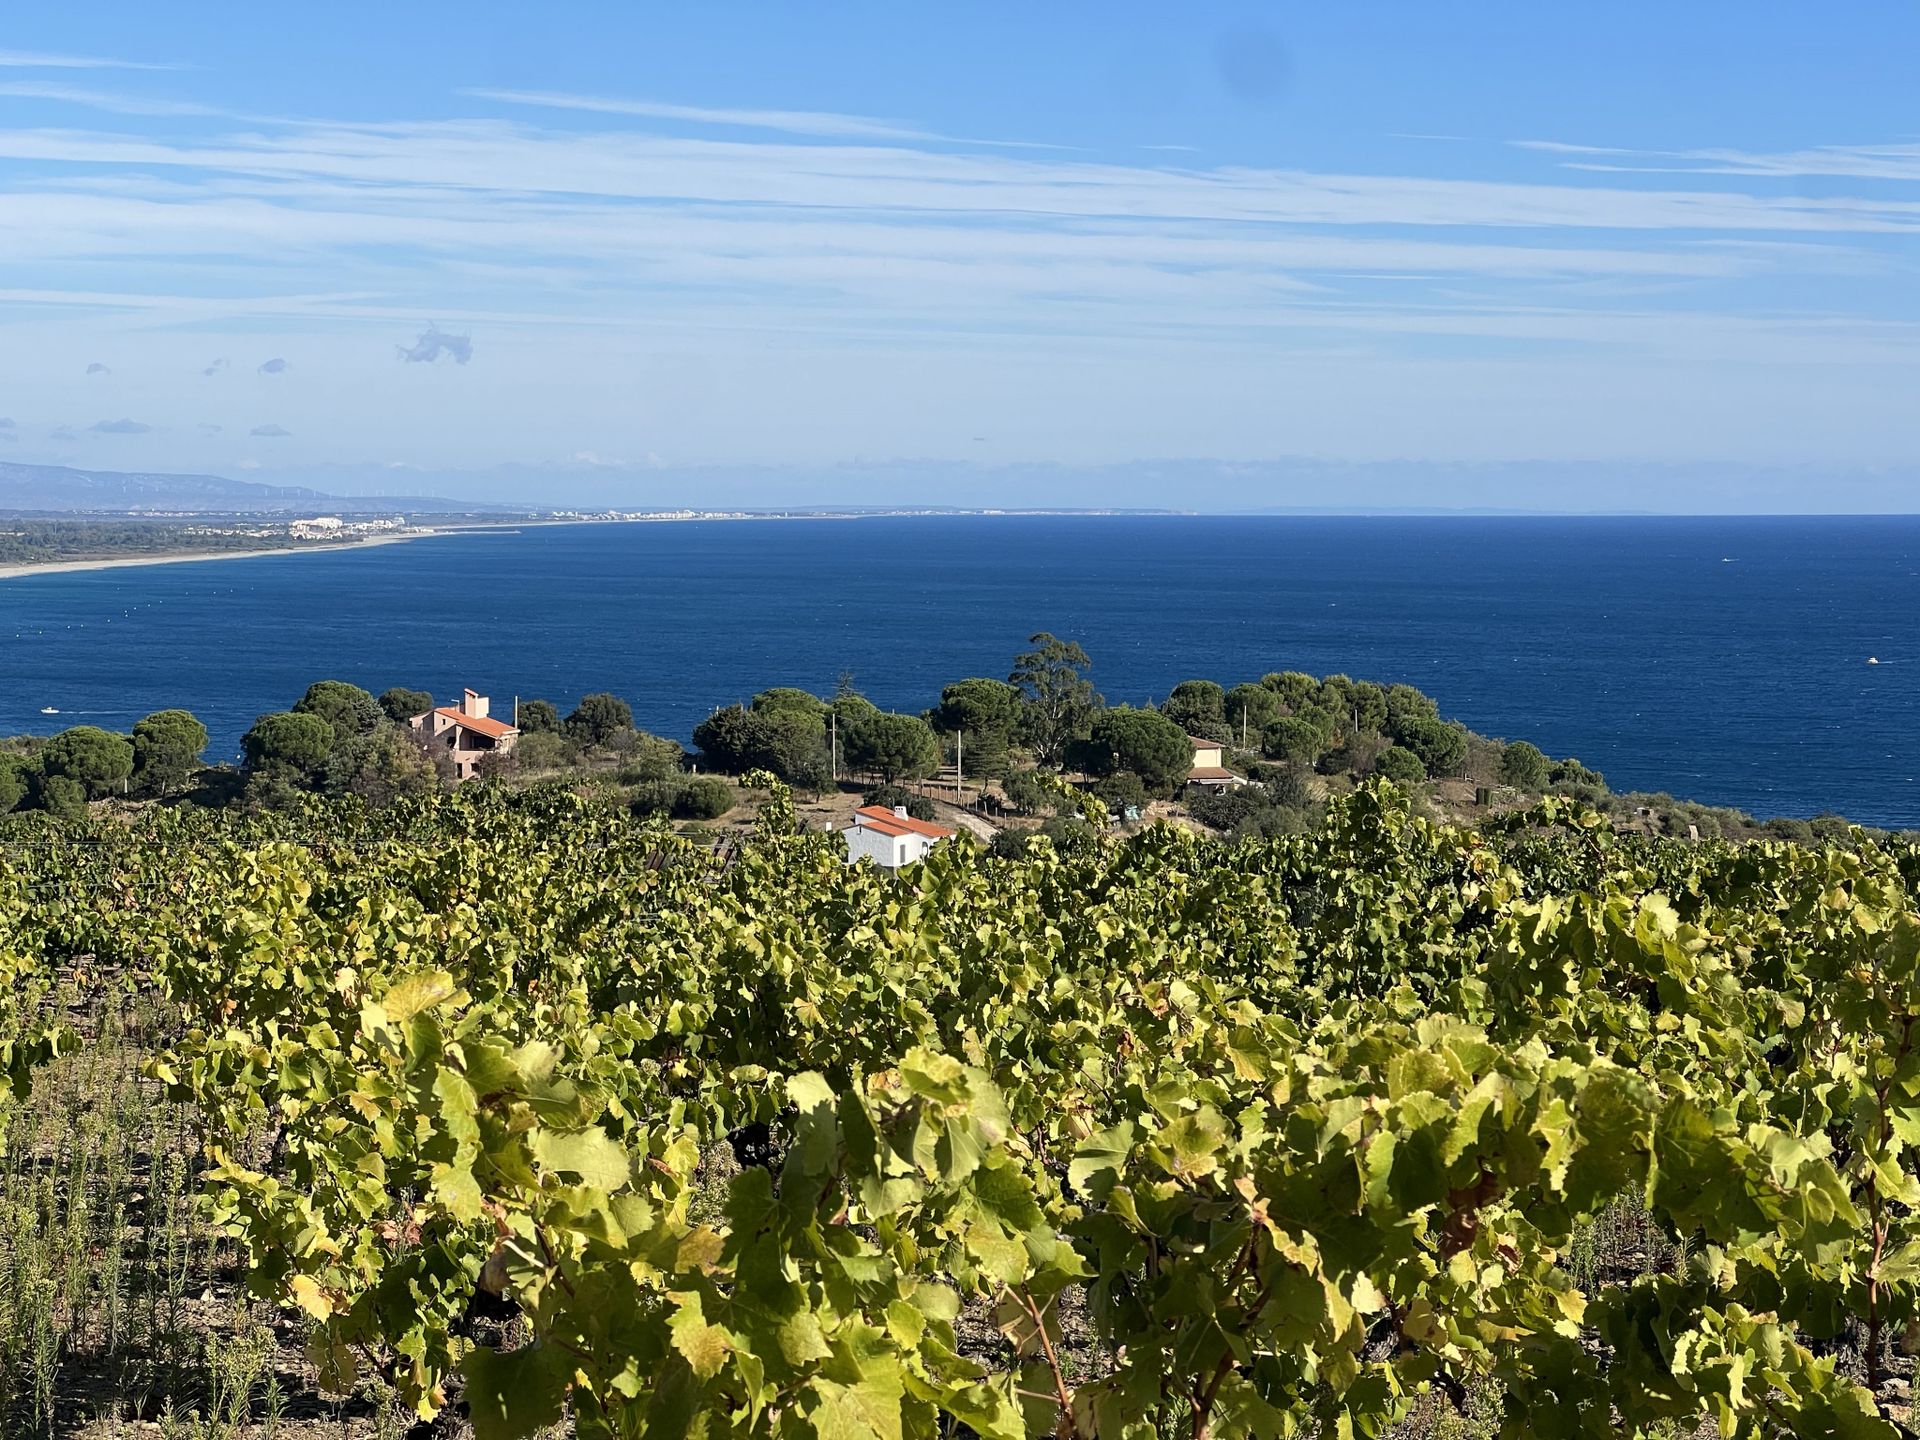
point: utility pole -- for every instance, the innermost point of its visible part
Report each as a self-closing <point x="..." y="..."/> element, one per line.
<point x="959" y="763"/>
<point x="833" y="745"/>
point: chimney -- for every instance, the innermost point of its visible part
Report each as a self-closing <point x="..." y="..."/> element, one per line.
<point x="899" y="812"/>
<point x="472" y="705"/>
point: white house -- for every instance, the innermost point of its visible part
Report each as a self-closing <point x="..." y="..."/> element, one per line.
<point x="890" y="838"/>
<point x="1209" y="767"/>
<point x="466" y="732"/>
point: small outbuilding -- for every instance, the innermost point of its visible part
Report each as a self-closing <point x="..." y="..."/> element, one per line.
<point x="1209" y="766"/>
<point x="891" y="838"/>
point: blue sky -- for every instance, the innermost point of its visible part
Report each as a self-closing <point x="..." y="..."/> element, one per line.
<point x="1442" y="254"/>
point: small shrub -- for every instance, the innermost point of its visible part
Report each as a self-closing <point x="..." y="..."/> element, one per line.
<point x="1400" y="765"/>
<point x="706" y="797"/>
<point x="888" y="796"/>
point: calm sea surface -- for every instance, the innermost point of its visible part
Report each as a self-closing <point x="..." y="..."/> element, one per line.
<point x="1724" y="660"/>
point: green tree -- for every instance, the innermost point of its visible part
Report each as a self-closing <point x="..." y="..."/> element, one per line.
<point x="1401" y="766"/>
<point x="849" y="712"/>
<point x="789" y="700"/>
<point x="1026" y="794"/>
<point x="382" y="766"/>
<point x="1292" y="739"/>
<point x="1440" y="744"/>
<point x="1250" y="709"/>
<point x="1572" y="772"/>
<point x="729" y="740"/>
<point x="789" y="741"/>
<point x="1523" y="766"/>
<point x="401" y="704"/>
<point x="166" y="750"/>
<point x="598" y="718"/>
<point x="14" y="773"/>
<point x="1406" y="704"/>
<point x="984" y="715"/>
<point x="1336" y="694"/>
<point x="63" y="797"/>
<point x="347" y="709"/>
<point x="1122" y="790"/>
<point x="652" y="758"/>
<point x="1294" y="687"/>
<point x="97" y="760"/>
<point x="978" y="707"/>
<point x="539" y="717"/>
<point x="1057" y="702"/>
<point x="1144" y="742"/>
<point x="542" y="750"/>
<point x="288" y="743"/>
<point x="1199" y="707"/>
<point x="888" y="796"/>
<point x="1329" y="720"/>
<point x="1369" y="708"/>
<point x="792" y="743"/>
<point x="894" y="747"/>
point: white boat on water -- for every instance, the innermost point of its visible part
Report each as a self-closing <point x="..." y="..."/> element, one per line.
<point x="48" y="710"/>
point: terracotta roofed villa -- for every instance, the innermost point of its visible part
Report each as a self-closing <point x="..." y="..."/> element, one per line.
<point x="467" y="732"/>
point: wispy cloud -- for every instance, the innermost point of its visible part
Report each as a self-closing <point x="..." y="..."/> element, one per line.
<point x="96" y="368"/>
<point x="695" y="242"/>
<point x="1851" y="162"/>
<point x="271" y="432"/>
<point x="99" y="99"/>
<point x="788" y="122"/>
<point x="119" y="427"/>
<point x="791" y="122"/>
<point x="36" y="60"/>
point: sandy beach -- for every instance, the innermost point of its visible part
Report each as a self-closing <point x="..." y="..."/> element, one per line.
<point x="57" y="567"/>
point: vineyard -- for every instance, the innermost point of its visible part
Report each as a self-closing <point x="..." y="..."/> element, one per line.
<point x="533" y="1116"/>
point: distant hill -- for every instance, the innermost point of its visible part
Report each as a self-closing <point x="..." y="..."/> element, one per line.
<point x="60" y="489"/>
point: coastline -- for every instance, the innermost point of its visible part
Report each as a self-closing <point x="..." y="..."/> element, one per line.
<point x="63" y="567"/>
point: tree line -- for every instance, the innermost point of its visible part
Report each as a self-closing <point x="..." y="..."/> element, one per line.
<point x="1045" y="717"/>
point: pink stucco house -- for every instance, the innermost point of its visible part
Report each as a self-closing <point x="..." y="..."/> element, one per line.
<point x="466" y="732"/>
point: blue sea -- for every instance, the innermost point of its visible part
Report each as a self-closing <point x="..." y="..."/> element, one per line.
<point x="1723" y="660"/>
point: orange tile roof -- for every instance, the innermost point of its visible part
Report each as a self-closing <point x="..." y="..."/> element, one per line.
<point x="1212" y="772"/>
<point x="878" y="817"/>
<point x="479" y="724"/>
<point x="1200" y="744"/>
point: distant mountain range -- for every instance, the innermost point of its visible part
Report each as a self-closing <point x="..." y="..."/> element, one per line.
<point x="57" y="488"/>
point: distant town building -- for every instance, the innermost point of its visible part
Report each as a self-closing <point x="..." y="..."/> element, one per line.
<point x="466" y="732"/>
<point x="320" y="527"/>
<point x="1209" y="766"/>
<point x="891" y="838"/>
